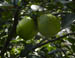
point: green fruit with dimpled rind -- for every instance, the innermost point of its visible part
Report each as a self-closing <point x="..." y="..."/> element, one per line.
<point x="48" y="25"/>
<point x="26" y="28"/>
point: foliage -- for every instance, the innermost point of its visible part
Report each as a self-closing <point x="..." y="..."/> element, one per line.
<point x="62" y="45"/>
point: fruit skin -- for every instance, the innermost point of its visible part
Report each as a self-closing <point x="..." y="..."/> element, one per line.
<point x="26" y="28"/>
<point x="48" y="25"/>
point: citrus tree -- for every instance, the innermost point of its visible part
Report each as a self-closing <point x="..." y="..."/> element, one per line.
<point x="37" y="28"/>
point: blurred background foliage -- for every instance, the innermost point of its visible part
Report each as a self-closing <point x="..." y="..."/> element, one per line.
<point x="63" y="48"/>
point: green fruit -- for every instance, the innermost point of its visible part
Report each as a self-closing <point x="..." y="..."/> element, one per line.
<point x="26" y="28"/>
<point x="48" y="25"/>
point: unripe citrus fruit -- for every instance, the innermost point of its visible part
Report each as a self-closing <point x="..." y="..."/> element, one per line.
<point x="26" y="28"/>
<point x="48" y="25"/>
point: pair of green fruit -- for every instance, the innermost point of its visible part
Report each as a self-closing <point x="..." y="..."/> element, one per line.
<point x="48" y="25"/>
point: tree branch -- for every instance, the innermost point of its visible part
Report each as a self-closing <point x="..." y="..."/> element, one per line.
<point x="39" y="45"/>
<point x="11" y="33"/>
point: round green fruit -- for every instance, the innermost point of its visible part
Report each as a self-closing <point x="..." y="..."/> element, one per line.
<point x="48" y="25"/>
<point x="26" y="28"/>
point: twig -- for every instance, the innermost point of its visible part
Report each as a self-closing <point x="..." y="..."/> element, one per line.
<point x="44" y="39"/>
<point x="39" y="45"/>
